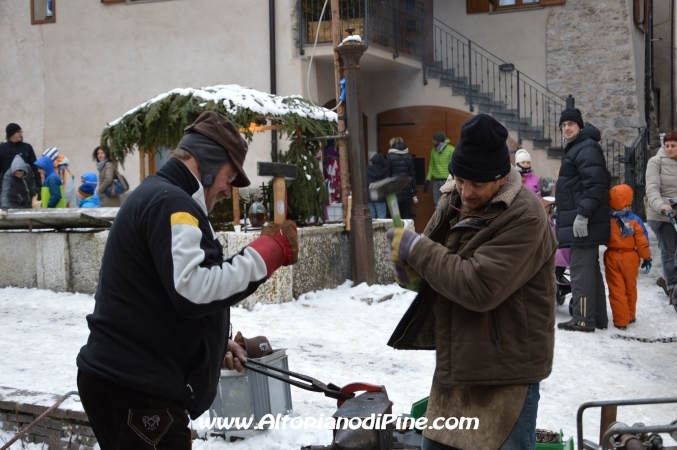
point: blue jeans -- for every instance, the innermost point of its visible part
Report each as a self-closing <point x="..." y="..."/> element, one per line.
<point x="377" y="210"/>
<point x="523" y="434"/>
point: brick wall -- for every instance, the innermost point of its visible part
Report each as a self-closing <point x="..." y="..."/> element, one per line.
<point x="62" y="429"/>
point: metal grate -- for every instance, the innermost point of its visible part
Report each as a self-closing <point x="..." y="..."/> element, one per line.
<point x="398" y="25"/>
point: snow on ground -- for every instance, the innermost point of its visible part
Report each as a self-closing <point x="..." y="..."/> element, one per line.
<point x="334" y="336"/>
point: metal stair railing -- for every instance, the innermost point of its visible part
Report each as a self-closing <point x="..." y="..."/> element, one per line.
<point x="398" y="25"/>
<point x="495" y="87"/>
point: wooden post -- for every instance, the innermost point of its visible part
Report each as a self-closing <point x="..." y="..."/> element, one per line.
<point x="142" y="164"/>
<point x="279" y="200"/>
<point x="607" y="417"/>
<point x="361" y="233"/>
<point x="236" y="206"/>
<point x="151" y="161"/>
<point x="344" y="156"/>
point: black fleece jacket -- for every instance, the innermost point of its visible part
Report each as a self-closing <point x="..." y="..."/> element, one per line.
<point x="583" y="188"/>
<point x="160" y="323"/>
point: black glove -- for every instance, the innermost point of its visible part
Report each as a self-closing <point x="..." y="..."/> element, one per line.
<point x="646" y="265"/>
<point x="426" y="185"/>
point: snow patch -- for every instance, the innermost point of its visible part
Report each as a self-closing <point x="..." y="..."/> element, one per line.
<point x="233" y="97"/>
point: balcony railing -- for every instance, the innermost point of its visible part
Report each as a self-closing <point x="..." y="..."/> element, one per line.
<point x="398" y="25"/>
<point x="496" y="87"/>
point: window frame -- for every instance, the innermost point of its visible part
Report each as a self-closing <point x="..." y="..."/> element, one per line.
<point x="518" y="5"/>
<point x="40" y="22"/>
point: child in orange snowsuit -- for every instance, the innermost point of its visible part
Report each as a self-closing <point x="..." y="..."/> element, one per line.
<point x="628" y="243"/>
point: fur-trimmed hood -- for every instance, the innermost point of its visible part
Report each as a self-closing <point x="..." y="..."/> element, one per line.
<point x="505" y="194"/>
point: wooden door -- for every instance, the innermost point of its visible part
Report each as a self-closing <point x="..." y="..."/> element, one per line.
<point x="416" y="126"/>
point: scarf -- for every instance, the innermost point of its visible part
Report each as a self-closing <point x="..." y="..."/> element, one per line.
<point x="439" y="147"/>
<point x="100" y="164"/>
<point x="623" y="223"/>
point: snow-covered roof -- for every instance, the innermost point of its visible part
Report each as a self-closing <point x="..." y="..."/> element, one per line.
<point x="233" y="97"/>
<point x="355" y="37"/>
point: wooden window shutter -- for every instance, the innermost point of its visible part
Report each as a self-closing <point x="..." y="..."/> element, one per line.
<point x="477" y="6"/>
<point x="552" y="2"/>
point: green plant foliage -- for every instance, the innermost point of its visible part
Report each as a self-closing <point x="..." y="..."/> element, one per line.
<point x="307" y="194"/>
<point x="160" y="123"/>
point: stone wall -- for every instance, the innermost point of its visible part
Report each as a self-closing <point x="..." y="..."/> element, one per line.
<point x="590" y="54"/>
<point x="70" y="261"/>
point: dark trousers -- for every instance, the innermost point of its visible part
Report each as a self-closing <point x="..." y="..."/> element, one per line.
<point x="588" y="297"/>
<point x="125" y="419"/>
<point x="405" y="208"/>
<point x="665" y="233"/>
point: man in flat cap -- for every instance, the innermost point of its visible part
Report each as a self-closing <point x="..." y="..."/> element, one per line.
<point x="485" y="265"/>
<point x="159" y="331"/>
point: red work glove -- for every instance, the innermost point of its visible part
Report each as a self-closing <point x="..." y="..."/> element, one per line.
<point x="277" y="245"/>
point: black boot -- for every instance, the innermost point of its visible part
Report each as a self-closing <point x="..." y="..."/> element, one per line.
<point x="576" y="326"/>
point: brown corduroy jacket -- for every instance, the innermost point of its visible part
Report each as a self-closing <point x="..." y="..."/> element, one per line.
<point x="487" y="302"/>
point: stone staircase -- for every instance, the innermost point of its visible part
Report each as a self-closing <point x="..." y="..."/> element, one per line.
<point x="484" y="102"/>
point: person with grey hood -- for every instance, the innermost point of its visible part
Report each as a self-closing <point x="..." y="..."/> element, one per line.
<point x="582" y="199"/>
<point x="18" y="186"/>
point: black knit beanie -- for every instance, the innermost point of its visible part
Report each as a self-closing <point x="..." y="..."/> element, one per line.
<point x="482" y="153"/>
<point x="11" y="129"/>
<point x="573" y="114"/>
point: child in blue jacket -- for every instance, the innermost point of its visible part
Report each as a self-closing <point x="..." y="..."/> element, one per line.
<point x="52" y="187"/>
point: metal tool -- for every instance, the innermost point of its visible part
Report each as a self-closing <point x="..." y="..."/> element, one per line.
<point x="280" y="172"/>
<point x="387" y="189"/>
<point x="312" y="384"/>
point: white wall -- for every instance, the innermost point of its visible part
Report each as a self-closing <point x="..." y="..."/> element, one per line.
<point x="516" y="37"/>
<point x="101" y="60"/>
<point x="637" y="43"/>
<point x="21" y="73"/>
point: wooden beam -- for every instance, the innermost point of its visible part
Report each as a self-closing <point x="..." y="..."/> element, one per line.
<point x="607" y="417"/>
<point x="142" y="164"/>
<point x="236" y="206"/>
<point x="151" y="161"/>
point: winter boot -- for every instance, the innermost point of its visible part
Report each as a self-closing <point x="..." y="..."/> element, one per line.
<point x="662" y="284"/>
<point x="576" y="326"/>
<point x="620" y="328"/>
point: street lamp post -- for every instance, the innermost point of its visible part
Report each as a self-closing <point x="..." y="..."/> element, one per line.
<point x="362" y="233"/>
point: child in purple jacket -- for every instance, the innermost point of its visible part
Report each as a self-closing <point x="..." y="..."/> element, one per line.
<point x="523" y="166"/>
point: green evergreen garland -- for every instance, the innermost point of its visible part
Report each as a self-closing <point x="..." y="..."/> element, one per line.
<point x="161" y="124"/>
<point x="307" y="194"/>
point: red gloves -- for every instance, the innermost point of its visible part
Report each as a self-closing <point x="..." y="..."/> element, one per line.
<point x="278" y="245"/>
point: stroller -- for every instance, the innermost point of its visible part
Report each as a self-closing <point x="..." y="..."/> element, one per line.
<point x="562" y="257"/>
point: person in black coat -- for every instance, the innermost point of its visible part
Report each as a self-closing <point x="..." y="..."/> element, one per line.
<point x="582" y="199"/>
<point x="401" y="164"/>
<point x="16" y="146"/>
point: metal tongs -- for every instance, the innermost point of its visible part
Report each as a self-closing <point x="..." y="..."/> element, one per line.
<point x="311" y="384"/>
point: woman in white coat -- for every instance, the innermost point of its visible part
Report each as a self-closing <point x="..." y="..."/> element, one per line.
<point x="661" y="184"/>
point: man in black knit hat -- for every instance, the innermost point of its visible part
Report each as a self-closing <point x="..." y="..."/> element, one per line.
<point x="485" y="268"/>
<point x="582" y="198"/>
